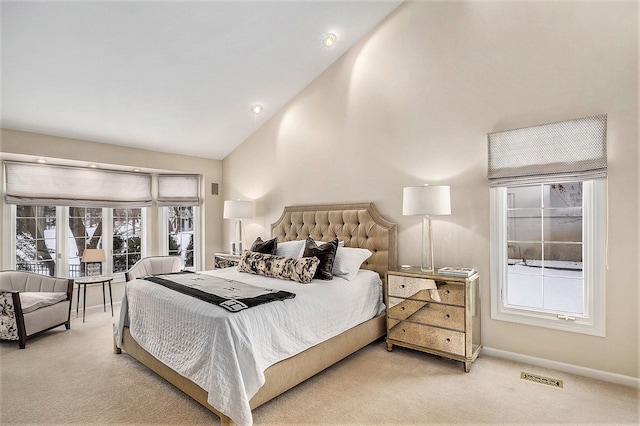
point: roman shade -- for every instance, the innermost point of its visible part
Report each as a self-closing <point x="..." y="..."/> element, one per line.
<point x="178" y="190"/>
<point x="42" y="184"/>
<point x="564" y="151"/>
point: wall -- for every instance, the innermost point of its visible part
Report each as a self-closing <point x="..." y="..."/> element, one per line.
<point x="79" y="152"/>
<point x="412" y="103"/>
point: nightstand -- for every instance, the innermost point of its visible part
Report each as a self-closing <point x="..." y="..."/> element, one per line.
<point x="225" y="260"/>
<point x="449" y="327"/>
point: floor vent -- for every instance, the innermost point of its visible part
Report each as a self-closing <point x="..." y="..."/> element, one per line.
<point x="542" y="380"/>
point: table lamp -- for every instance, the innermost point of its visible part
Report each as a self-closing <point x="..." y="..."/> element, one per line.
<point x="93" y="259"/>
<point x="426" y="200"/>
<point x="238" y="210"/>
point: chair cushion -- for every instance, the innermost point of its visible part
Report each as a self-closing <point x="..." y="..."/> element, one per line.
<point x="31" y="301"/>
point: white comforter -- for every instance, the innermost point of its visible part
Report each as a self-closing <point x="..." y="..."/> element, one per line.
<point x="226" y="353"/>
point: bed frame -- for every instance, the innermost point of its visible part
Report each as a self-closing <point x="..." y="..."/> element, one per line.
<point x="358" y="225"/>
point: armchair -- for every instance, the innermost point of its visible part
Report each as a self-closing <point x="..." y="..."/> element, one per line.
<point x="32" y="303"/>
<point x="154" y="265"/>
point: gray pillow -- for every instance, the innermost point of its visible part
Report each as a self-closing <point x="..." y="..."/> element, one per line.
<point x="326" y="253"/>
<point x="268" y="247"/>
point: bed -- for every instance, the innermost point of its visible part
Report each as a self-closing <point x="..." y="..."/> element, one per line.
<point x="356" y="226"/>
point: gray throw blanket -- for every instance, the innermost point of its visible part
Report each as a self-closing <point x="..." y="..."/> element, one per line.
<point x="231" y="295"/>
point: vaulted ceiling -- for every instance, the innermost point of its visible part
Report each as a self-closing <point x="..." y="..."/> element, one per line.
<point x="170" y="76"/>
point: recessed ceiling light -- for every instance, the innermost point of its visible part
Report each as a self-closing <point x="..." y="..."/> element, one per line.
<point x="93" y="166"/>
<point x="136" y="170"/>
<point x="329" y="39"/>
<point x="41" y="160"/>
<point x="256" y="108"/>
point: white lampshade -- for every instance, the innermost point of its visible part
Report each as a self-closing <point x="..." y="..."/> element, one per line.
<point x="237" y="209"/>
<point x="93" y="255"/>
<point x="426" y="200"/>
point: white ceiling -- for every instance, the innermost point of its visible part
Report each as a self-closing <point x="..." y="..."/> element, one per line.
<point x="169" y="76"/>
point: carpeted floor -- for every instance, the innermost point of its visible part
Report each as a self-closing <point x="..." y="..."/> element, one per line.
<point x="72" y="377"/>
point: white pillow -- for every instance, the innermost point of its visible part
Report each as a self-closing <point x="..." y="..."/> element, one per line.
<point x="290" y="249"/>
<point x="348" y="261"/>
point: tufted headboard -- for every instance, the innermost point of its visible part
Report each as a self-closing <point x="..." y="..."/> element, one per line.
<point x="358" y="225"/>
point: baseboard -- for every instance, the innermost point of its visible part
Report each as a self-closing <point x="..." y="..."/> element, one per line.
<point x="96" y="307"/>
<point x="605" y="376"/>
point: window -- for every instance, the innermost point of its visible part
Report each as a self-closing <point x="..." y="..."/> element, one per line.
<point x="85" y="231"/>
<point x="36" y="239"/>
<point x="106" y="209"/>
<point x="547" y="255"/>
<point x="548" y="224"/>
<point x="180" y="233"/>
<point x="127" y="238"/>
<point x="544" y="248"/>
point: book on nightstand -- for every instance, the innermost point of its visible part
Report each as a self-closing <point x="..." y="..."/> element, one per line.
<point x="456" y="272"/>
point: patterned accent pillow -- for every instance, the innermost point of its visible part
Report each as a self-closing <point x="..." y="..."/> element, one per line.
<point x="268" y="247"/>
<point x="326" y="252"/>
<point x="285" y="268"/>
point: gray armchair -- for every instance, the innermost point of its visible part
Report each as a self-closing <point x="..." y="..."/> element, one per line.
<point x="154" y="265"/>
<point x="32" y="303"/>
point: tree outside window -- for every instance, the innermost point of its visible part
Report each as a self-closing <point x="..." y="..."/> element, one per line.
<point x="85" y="231"/>
<point x="181" y="233"/>
<point x="36" y="239"/>
<point x="127" y="241"/>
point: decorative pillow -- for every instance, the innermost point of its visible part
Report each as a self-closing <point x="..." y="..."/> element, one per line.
<point x="326" y="253"/>
<point x="301" y="270"/>
<point x="268" y="247"/>
<point x="348" y="261"/>
<point x="290" y="249"/>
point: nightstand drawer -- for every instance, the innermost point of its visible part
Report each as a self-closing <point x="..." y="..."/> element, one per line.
<point x="426" y="336"/>
<point x="426" y="313"/>
<point x="416" y="288"/>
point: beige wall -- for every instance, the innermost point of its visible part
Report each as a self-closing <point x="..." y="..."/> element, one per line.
<point x="34" y="145"/>
<point x="412" y="104"/>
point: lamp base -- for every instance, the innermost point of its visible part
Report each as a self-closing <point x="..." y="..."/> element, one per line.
<point x="427" y="246"/>
<point x="93" y="269"/>
<point x="236" y="247"/>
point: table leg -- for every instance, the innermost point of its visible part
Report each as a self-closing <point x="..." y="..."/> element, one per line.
<point x="78" y="301"/>
<point x="104" y="300"/>
<point x="110" y="298"/>
<point x="84" y="303"/>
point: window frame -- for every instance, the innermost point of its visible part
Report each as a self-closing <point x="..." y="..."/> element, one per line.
<point x="164" y="236"/>
<point x="62" y="235"/>
<point x="594" y="265"/>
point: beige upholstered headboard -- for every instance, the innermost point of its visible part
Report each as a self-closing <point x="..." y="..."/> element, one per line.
<point x="358" y="225"/>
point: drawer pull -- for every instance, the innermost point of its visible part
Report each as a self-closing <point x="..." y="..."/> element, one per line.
<point x="403" y="330"/>
<point x="447" y="340"/>
<point x="402" y="308"/>
<point x="447" y="316"/>
<point x="447" y="291"/>
<point x="401" y="285"/>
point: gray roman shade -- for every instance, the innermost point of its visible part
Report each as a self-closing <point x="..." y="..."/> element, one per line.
<point x="45" y="184"/>
<point x="178" y="190"/>
<point x="563" y="151"/>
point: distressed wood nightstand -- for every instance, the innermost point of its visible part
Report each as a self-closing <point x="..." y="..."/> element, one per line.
<point x="225" y="260"/>
<point x="416" y="319"/>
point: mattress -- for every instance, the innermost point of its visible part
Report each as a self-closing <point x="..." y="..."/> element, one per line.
<point x="226" y="353"/>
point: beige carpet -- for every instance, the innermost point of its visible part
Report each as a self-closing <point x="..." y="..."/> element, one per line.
<point x="72" y="377"/>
